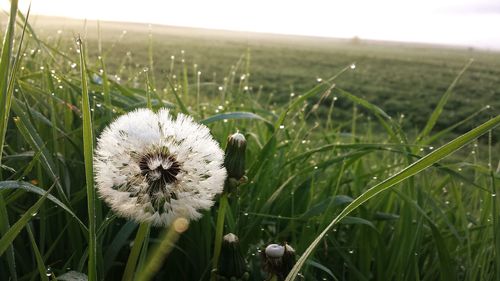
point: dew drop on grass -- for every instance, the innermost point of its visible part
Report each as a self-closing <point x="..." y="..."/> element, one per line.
<point x="225" y="120"/>
<point x="351" y="252"/>
<point x="375" y="178"/>
<point x="221" y="88"/>
<point x="245" y="214"/>
<point x="48" y="272"/>
<point x="319" y="80"/>
<point x="98" y="105"/>
<point x="73" y="65"/>
<point x="282" y="127"/>
<point x="493" y="195"/>
<point x="34" y="214"/>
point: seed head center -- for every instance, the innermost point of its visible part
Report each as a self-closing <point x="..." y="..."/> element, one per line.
<point x="159" y="168"/>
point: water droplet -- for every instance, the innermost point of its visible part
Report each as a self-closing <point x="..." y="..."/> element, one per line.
<point x="493" y="195"/>
<point x="292" y="95"/>
<point x="34" y="214"/>
<point x="374" y="178"/>
<point x="245" y="88"/>
<point x="145" y="69"/>
<point x="48" y="272"/>
<point x="221" y="88"/>
<point x="225" y="120"/>
<point x="351" y="252"/>
<point x="199" y="73"/>
<point x="73" y="65"/>
<point x="431" y="147"/>
<point x="245" y="214"/>
<point x="282" y="126"/>
<point x="352" y="66"/>
<point x="98" y="105"/>
<point x="319" y="80"/>
<point x="172" y="57"/>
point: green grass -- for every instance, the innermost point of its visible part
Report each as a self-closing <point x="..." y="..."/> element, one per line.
<point x="360" y="192"/>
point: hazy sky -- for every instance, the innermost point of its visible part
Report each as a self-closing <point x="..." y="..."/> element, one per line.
<point x="464" y="22"/>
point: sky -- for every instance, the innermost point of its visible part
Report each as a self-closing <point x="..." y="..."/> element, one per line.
<point x="474" y="23"/>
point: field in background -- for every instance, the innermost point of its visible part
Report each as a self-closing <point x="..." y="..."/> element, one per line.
<point x="406" y="79"/>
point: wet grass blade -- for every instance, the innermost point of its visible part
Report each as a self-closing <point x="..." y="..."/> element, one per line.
<point x="21" y="185"/>
<point x="88" y="150"/>
<point x="5" y="74"/>
<point x="406" y="173"/>
<point x="38" y="257"/>
<point x="440" y="106"/>
<point x="12" y="233"/>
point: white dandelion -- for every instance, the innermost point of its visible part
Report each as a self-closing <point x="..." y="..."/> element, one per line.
<point x="152" y="167"/>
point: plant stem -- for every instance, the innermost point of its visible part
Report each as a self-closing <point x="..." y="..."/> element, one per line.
<point x="218" y="234"/>
<point x="128" y="274"/>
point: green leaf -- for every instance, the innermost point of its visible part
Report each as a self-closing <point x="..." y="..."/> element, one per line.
<point x="12" y="233"/>
<point x="39" y="259"/>
<point x="4" y="185"/>
<point x="88" y="152"/>
<point x="442" y="102"/>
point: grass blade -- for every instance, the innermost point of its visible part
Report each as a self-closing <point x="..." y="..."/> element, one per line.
<point x="8" y="238"/>
<point x="88" y="151"/>
<point x="406" y="173"/>
<point x="37" y="190"/>
<point x="39" y="259"/>
<point x="442" y="102"/>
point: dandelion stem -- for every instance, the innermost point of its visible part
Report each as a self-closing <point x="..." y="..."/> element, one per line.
<point x="167" y="243"/>
<point x="128" y="274"/>
<point x="218" y="234"/>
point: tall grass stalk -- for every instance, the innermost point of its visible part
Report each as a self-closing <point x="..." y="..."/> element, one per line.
<point x="88" y="150"/>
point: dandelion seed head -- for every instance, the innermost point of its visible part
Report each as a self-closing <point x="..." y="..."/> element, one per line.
<point x="153" y="167"/>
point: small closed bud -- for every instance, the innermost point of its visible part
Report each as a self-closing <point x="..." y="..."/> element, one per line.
<point x="234" y="160"/>
<point x="278" y="260"/>
<point x="232" y="265"/>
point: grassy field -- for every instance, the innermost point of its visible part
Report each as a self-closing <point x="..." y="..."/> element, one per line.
<point x="349" y="169"/>
<point x="406" y="79"/>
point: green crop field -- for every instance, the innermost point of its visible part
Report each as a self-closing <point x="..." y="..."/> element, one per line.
<point x="347" y="145"/>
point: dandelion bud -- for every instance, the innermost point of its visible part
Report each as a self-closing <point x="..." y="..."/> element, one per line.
<point x="232" y="265"/>
<point x="235" y="156"/>
<point x="278" y="260"/>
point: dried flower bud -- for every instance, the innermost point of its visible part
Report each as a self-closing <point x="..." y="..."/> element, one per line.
<point x="278" y="260"/>
<point x="234" y="160"/>
<point x="232" y="265"/>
